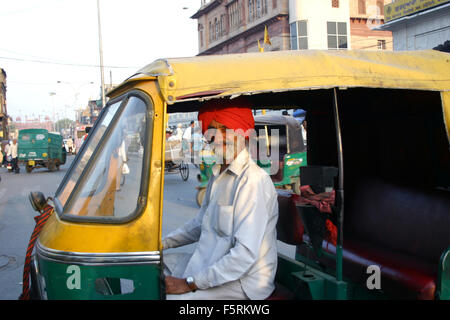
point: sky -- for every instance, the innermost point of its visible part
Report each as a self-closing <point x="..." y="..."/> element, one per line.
<point x="49" y="49"/>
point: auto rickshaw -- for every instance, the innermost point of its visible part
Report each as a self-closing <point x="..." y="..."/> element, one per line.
<point x="40" y="148"/>
<point x="283" y="165"/>
<point x="378" y="149"/>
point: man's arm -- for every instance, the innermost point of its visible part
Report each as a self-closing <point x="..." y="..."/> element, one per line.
<point x="253" y="212"/>
<point x="187" y="234"/>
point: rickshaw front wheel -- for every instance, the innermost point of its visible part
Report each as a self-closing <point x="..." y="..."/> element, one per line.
<point x="51" y="165"/>
<point x="184" y="171"/>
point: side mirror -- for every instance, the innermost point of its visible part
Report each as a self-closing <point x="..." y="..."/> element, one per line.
<point x="37" y="200"/>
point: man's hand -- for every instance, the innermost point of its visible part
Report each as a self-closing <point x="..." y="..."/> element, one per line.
<point x="176" y="285"/>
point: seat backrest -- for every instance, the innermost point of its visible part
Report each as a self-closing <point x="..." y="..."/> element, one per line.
<point x="405" y="219"/>
<point x="289" y="226"/>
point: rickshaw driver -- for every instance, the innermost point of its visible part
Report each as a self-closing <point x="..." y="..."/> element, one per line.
<point x="236" y="253"/>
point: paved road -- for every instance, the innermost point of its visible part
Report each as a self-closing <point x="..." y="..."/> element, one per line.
<point x="16" y="216"/>
<point x="16" y="220"/>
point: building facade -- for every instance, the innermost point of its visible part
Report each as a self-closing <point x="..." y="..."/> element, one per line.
<point x="319" y="25"/>
<point x="3" y="110"/>
<point x="418" y="24"/>
<point x="365" y="16"/>
<point x="235" y="26"/>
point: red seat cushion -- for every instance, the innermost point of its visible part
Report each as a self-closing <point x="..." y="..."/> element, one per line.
<point x="403" y="276"/>
<point x="290" y="227"/>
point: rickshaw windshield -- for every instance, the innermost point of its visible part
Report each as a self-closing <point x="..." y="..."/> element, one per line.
<point x="110" y="170"/>
<point x="89" y="148"/>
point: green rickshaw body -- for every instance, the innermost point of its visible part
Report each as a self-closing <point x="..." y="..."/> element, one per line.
<point x="208" y="161"/>
<point x="290" y="169"/>
<point x="40" y="148"/>
<point x="97" y="281"/>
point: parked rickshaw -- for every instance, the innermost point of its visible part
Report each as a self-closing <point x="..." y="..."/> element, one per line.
<point x="174" y="159"/>
<point x="281" y="156"/>
<point x="378" y="146"/>
<point x="290" y="146"/>
<point x="40" y="148"/>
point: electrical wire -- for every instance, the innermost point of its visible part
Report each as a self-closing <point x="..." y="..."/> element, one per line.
<point x="66" y="63"/>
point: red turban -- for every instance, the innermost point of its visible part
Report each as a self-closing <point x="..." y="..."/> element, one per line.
<point x="232" y="113"/>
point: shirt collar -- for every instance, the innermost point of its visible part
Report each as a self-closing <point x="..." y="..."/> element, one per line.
<point x="236" y="166"/>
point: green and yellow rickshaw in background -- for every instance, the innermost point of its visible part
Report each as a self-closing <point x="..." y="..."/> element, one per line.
<point x="40" y="148"/>
<point x="378" y="142"/>
<point x="280" y="156"/>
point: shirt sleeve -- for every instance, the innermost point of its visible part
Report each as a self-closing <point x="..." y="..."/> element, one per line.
<point x="254" y="209"/>
<point x="187" y="234"/>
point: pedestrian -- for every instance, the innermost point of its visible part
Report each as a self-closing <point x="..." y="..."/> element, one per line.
<point x="1" y="158"/>
<point x="235" y="229"/>
<point x="69" y="145"/>
<point x="168" y="133"/>
<point x="1" y="155"/>
<point x="8" y="149"/>
<point x="5" y="154"/>
<point x="14" y="156"/>
<point x="304" y="131"/>
<point x="197" y="145"/>
<point x="187" y="141"/>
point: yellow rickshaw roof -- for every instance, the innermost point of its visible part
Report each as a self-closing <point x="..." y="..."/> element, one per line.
<point x="203" y="77"/>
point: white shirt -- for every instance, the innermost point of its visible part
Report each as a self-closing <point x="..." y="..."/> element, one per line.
<point x="187" y="133"/>
<point x="13" y="150"/>
<point x="304" y="134"/>
<point x="235" y="230"/>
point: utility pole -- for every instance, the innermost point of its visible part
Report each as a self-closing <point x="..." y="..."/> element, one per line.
<point x="101" y="54"/>
<point x="53" y="94"/>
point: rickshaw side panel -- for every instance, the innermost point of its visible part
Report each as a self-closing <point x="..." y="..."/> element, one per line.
<point x="71" y="281"/>
<point x="55" y="147"/>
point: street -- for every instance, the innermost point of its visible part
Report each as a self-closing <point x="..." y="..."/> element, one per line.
<point x="17" y="223"/>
